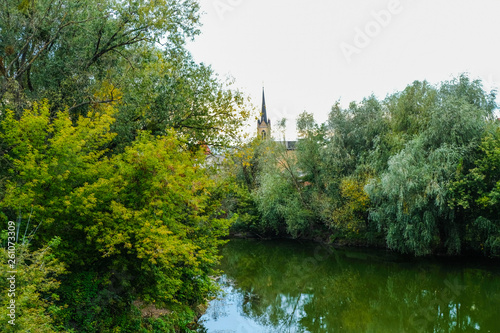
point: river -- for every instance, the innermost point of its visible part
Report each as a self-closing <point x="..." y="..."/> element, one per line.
<point x="293" y="286"/>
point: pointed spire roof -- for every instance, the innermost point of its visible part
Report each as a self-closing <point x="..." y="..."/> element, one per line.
<point x="263" y="117"/>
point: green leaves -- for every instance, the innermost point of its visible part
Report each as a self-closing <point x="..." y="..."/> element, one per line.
<point x="475" y="193"/>
<point x="148" y="210"/>
<point x="411" y="196"/>
<point x="62" y="49"/>
<point x="50" y="156"/>
<point x="169" y="90"/>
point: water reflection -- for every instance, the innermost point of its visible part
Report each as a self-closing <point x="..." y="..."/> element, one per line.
<point x="281" y="286"/>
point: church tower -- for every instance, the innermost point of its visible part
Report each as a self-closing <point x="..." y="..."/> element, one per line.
<point x="263" y="124"/>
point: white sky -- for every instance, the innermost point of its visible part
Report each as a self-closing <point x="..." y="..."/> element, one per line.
<point x="295" y="47"/>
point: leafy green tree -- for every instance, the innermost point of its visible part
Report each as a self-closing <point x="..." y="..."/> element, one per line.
<point x="153" y="202"/>
<point x="62" y="49"/>
<point x="354" y="132"/>
<point x="353" y="152"/>
<point x="476" y="194"/>
<point x="280" y="193"/>
<point x="71" y="51"/>
<point x="410" y="109"/>
<point x="411" y="196"/>
<point x="240" y="169"/>
<point x="314" y="172"/>
<point x="47" y="158"/>
<point x="169" y="90"/>
<point x="147" y="212"/>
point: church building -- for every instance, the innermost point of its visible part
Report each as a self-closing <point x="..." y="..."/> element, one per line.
<point x="264" y="124"/>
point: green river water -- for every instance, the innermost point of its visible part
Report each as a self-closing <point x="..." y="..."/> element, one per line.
<point x="291" y="286"/>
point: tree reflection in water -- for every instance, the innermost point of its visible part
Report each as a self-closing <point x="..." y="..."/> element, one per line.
<point x="283" y="286"/>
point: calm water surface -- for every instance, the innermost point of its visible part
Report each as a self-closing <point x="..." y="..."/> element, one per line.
<point x="287" y="286"/>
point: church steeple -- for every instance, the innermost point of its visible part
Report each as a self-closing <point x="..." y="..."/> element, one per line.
<point x="264" y="111"/>
<point x="263" y="124"/>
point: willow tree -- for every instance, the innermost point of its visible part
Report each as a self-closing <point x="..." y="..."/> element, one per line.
<point x="411" y="198"/>
<point x="351" y="155"/>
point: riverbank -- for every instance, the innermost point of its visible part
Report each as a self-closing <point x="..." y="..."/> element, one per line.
<point x="340" y="242"/>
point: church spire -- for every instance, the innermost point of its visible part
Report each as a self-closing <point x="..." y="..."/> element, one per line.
<point x="264" y="111"/>
<point x="264" y="124"/>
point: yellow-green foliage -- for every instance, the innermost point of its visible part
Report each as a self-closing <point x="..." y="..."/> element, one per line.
<point x="147" y="211"/>
<point x="152" y="202"/>
<point x="49" y="158"/>
<point x="351" y="215"/>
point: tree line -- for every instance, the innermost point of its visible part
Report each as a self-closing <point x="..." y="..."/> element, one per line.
<point x="417" y="172"/>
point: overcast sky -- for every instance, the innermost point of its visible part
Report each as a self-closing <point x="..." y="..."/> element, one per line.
<point x="309" y="54"/>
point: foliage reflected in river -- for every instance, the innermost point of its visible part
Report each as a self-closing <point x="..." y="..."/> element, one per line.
<point x="284" y="286"/>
